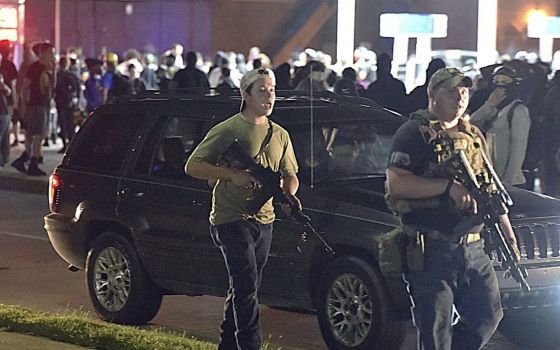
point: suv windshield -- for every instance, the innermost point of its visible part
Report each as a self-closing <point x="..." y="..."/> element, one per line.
<point x="342" y="150"/>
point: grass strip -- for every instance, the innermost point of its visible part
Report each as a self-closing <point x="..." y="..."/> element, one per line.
<point x="83" y="331"/>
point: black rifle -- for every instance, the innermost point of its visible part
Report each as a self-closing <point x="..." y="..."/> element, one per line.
<point x="236" y="156"/>
<point x="493" y="200"/>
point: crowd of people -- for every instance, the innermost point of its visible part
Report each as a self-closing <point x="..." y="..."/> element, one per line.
<point x="508" y="99"/>
<point x="511" y="110"/>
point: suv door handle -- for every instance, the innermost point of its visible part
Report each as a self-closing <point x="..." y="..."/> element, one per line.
<point x="129" y="193"/>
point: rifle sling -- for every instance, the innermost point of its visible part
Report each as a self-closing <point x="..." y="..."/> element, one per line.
<point x="266" y="141"/>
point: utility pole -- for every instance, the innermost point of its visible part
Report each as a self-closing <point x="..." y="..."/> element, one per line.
<point x="346" y="17"/>
<point x="486" y="35"/>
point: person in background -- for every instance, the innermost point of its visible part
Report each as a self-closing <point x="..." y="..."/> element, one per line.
<point x="351" y="74"/>
<point x="5" y="92"/>
<point x="418" y="97"/>
<point x="242" y="233"/>
<point x="284" y="77"/>
<point x="505" y="121"/>
<point x="315" y="77"/>
<point x="37" y="92"/>
<point x="190" y="76"/>
<point x="66" y="97"/>
<point x="94" y="88"/>
<point x="29" y="57"/>
<point x="9" y="72"/>
<point x="148" y="75"/>
<point x="346" y="87"/>
<point x="166" y="72"/>
<point x="110" y="60"/>
<point x="136" y="85"/>
<point x="386" y="90"/>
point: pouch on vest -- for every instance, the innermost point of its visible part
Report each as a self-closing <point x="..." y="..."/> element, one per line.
<point x="391" y="253"/>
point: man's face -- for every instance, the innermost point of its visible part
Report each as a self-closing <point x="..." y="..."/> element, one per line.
<point x="262" y="97"/>
<point x="450" y="103"/>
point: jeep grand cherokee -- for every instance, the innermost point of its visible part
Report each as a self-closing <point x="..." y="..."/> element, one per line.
<point x="123" y="210"/>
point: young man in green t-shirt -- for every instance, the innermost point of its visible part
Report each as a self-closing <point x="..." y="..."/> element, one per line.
<point x="243" y="235"/>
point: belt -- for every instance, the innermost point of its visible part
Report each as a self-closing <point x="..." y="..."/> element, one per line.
<point x="470" y="238"/>
<point x="440" y="236"/>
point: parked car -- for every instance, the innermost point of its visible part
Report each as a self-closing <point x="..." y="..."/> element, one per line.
<point x="123" y="210"/>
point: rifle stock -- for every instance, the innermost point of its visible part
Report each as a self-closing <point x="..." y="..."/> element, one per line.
<point x="236" y="156"/>
<point x="492" y="202"/>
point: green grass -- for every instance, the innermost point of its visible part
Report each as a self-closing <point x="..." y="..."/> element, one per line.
<point x="82" y="330"/>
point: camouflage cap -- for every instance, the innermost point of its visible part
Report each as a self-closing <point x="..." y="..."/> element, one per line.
<point x="449" y="77"/>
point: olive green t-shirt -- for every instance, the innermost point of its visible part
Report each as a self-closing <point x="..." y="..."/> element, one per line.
<point x="230" y="202"/>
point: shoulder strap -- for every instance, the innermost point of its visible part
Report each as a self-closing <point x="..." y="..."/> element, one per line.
<point x="266" y="141"/>
<point x="510" y="138"/>
<point x="511" y="111"/>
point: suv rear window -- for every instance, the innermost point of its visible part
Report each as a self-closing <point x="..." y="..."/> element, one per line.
<point x="106" y="140"/>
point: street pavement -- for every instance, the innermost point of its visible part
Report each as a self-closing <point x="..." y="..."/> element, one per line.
<point x="13" y="180"/>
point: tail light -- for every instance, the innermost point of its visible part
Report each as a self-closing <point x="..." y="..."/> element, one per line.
<point x="54" y="188"/>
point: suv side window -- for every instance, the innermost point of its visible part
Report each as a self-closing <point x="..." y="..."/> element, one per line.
<point x="169" y="152"/>
<point x="108" y="137"/>
<point x="341" y="150"/>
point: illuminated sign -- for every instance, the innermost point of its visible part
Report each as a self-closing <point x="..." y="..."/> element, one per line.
<point x="543" y="26"/>
<point x="8" y="23"/>
<point x="413" y="25"/>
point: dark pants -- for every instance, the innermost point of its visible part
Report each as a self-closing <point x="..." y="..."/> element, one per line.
<point x="459" y="275"/>
<point x="245" y="245"/>
<point x="66" y="122"/>
<point x="4" y="139"/>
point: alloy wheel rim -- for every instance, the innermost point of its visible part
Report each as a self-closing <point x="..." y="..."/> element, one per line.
<point x="349" y="310"/>
<point x="112" y="279"/>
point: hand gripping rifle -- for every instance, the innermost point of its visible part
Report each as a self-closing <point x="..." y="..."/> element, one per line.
<point x="237" y="157"/>
<point x="493" y="200"/>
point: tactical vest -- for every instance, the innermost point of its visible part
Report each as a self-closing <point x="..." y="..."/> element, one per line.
<point x="445" y="145"/>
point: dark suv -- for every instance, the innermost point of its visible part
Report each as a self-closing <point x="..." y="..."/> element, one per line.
<point x="123" y="210"/>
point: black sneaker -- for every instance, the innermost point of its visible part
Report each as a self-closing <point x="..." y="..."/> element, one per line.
<point x="19" y="164"/>
<point x="34" y="169"/>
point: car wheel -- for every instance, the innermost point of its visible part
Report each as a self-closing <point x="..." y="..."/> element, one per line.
<point x="535" y="329"/>
<point x="119" y="288"/>
<point x="353" y="308"/>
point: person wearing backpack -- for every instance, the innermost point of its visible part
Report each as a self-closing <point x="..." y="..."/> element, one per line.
<point x="505" y="120"/>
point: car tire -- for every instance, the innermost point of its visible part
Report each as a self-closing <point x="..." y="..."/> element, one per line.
<point x="535" y="329"/>
<point x="118" y="286"/>
<point x="353" y="308"/>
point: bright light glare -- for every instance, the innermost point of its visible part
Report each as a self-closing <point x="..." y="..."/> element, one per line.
<point x="345" y="32"/>
<point x="535" y="15"/>
<point x="486" y="35"/>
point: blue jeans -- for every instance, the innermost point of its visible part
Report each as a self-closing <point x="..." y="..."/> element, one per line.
<point x="459" y="275"/>
<point x="245" y="245"/>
